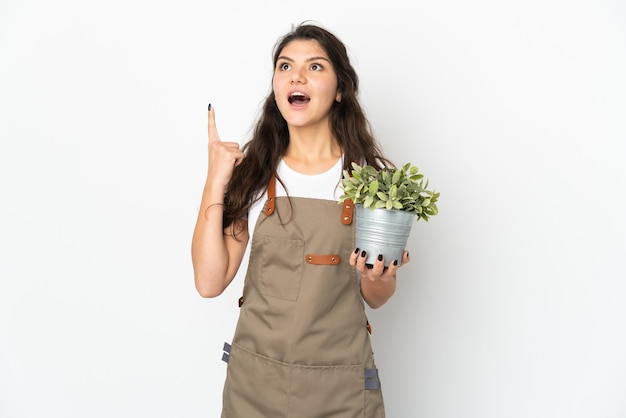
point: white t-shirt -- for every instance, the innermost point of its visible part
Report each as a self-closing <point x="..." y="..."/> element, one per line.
<point x="325" y="186"/>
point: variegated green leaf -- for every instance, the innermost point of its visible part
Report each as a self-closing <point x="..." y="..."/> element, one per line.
<point x="373" y="188"/>
<point x="380" y="204"/>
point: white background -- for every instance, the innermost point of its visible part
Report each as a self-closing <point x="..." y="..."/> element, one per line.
<point x="512" y="305"/>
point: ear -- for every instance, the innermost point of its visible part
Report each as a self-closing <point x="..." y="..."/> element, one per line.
<point x="338" y="97"/>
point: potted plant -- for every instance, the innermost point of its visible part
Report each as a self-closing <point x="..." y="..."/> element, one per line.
<point x="387" y="203"/>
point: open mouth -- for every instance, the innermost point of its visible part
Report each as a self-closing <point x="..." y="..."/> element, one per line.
<point x="299" y="98"/>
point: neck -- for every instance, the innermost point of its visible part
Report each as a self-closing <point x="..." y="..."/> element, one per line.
<point x="311" y="152"/>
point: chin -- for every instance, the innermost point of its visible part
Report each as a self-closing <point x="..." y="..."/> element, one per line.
<point x="296" y="122"/>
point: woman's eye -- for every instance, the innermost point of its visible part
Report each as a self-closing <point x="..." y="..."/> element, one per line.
<point x="284" y="66"/>
<point x="316" y="67"/>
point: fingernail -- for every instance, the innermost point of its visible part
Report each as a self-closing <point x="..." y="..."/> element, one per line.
<point x="363" y="253"/>
<point x="395" y="262"/>
<point x="380" y="257"/>
<point x="209" y="107"/>
<point x="357" y="250"/>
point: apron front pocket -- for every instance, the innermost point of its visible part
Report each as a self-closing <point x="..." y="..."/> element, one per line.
<point x="256" y="387"/>
<point x="327" y="391"/>
<point x="281" y="267"/>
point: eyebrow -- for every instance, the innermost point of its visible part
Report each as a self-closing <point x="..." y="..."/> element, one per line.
<point x="282" y="57"/>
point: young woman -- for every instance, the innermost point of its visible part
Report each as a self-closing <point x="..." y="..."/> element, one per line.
<point x="301" y="347"/>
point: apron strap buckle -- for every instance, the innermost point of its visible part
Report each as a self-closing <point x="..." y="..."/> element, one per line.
<point x="347" y="211"/>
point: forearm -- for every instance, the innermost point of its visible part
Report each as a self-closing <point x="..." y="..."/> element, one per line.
<point x="377" y="292"/>
<point x="215" y="254"/>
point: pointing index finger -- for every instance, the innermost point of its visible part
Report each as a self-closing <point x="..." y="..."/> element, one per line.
<point x="213" y="135"/>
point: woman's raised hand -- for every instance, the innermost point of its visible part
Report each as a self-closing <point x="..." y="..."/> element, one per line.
<point x="223" y="156"/>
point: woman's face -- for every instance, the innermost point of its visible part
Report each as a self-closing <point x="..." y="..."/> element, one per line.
<point x="304" y="83"/>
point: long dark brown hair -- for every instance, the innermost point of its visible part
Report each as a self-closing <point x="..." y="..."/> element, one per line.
<point x="270" y="135"/>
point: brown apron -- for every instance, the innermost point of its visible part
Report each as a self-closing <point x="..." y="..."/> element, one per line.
<point x="301" y="348"/>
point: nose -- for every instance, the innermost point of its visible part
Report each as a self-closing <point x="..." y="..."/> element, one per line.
<point x="297" y="77"/>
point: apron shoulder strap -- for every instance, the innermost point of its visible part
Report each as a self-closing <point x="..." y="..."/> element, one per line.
<point x="271" y="196"/>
